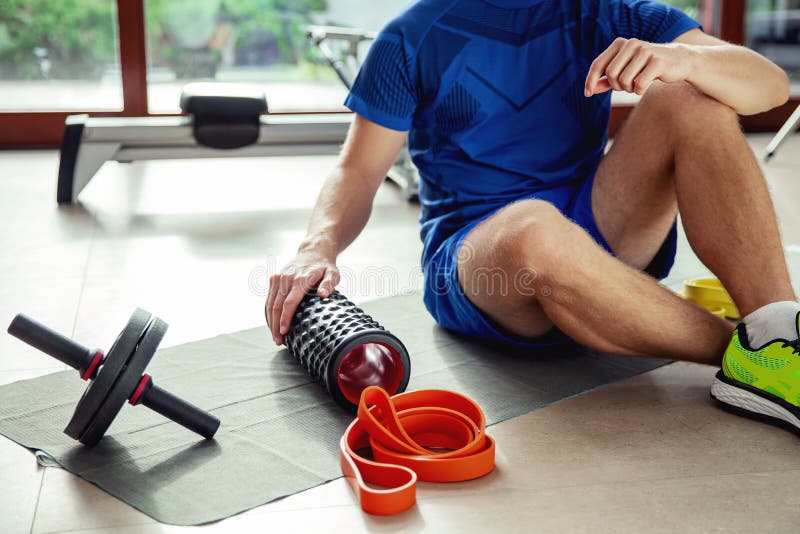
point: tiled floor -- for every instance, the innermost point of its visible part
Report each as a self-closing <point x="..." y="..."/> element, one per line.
<point x="192" y="241"/>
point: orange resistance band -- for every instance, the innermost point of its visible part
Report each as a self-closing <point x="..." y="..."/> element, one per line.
<point x="402" y="431"/>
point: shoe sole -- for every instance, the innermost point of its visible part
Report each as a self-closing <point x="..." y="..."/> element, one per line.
<point x="751" y="402"/>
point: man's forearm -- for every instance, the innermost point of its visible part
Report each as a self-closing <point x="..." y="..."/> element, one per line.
<point x="342" y="210"/>
<point x="744" y="80"/>
<point x="738" y="77"/>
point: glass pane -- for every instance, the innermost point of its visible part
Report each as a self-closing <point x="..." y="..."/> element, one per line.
<point x="59" y="55"/>
<point x="773" y="29"/>
<point x="690" y="7"/>
<point x="260" y="42"/>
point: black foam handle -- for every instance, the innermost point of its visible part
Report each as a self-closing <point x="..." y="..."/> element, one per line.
<point x="185" y="414"/>
<point x="51" y="342"/>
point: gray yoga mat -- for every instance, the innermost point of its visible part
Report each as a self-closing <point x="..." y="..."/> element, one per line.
<point x="279" y="432"/>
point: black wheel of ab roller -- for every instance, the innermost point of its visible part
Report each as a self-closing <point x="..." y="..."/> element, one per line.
<point x="345" y="349"/>
<point x="116" y="377"/>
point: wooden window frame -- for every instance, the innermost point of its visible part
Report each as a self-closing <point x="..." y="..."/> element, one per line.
<point x="724" y="18"/>
<point x="34" y="129"/>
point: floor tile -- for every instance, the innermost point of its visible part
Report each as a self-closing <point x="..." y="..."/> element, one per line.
<point x="68" y="503"/>
<point x="724" y="503"/>
<point x="46" y="249"/>
<point x="51" y="302"/>
<point x="782" y="176"/>
<point x="200" y="258"/>
<point x="152" y="528"/>
<point x="21" y="479"/>
<point x="658" y="425"/>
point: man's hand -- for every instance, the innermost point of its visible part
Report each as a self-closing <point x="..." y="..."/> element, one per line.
<point x="632" y="65"/>
<point x="287" y="288"/>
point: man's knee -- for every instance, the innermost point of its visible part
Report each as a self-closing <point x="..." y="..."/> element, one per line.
<point x="685" y="107"/>
<point x="535" y="236"/>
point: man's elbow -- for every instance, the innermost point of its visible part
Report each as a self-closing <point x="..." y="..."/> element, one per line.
<point x="780" y="88"/>
<point x="773" y="92"/>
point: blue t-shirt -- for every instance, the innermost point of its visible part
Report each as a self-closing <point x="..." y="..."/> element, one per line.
<point x="491" y="92"/>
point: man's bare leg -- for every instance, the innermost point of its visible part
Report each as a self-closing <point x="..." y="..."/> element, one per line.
<point x="681" y="148"/>
<point x="598" y="300"/>
<point x="591" y="296"/>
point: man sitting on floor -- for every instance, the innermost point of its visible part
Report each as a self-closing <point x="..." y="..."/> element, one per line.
<point x="505" y="105"/>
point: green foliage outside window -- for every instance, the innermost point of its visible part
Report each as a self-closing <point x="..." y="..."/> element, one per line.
<point x="687" y="6"/>
<point x="77" y="38"/>
<point x="60" y="39"/>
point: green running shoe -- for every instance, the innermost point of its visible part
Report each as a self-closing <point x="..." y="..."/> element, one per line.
<point x="762" y="383"/>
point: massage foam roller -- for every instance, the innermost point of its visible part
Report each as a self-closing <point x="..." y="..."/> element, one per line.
<point x="345" y="349"/>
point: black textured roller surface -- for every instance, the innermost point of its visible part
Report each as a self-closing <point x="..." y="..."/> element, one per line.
<point x="323" y="331"/>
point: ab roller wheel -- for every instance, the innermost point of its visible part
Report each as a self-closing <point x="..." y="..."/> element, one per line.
<point x="115" y="377"/>
<point x="345" y="349"/>
<point x="337" y="342"/>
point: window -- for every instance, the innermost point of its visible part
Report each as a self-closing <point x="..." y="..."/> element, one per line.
<point x="59" y="55"/>
<point x="260" y="42"/>
<point x="773" y="29"/>
<point x="690" y="7"/>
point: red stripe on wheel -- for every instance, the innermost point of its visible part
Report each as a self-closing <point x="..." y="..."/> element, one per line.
<point x="139" y="389"/>
<point x="93" y="366"/>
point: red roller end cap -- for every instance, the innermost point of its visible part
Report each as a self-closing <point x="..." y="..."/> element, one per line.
<point x="370" y="364"/>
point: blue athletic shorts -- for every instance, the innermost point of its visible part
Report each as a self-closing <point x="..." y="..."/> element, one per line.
<point x="451" y="308"/>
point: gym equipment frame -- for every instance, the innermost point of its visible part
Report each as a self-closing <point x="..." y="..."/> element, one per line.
<point x="345" y="63"/>
<point x="789" y="127"/>
<point x="223" y="120"/>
